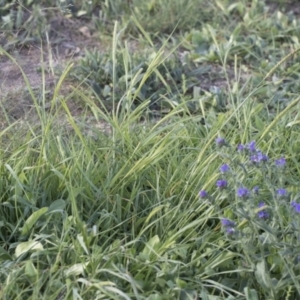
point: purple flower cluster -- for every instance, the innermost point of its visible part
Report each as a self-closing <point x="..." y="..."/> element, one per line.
<point x="280" y="163"/>
<point x="243" y="193"/>
<point x="295" y="206"/>
<point x="252" y="147"/>
<point x="282" y="193"/>
<point x="256" y="156"/>
<point x="262" y="214"/>
<point x="222" y="184"/>
<point x="224" y="168"/>
<point x="203" y="194"/>
<point x="240" y="147"/>
<point x="220" y="142"/>
<point x="228" y="225"/>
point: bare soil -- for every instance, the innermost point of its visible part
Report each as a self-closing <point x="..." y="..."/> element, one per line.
<point x="66" y="42"/>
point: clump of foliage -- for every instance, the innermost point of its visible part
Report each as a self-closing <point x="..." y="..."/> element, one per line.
<point x="170" y="84"/>
<point x="23" y="23"/>
<point x="259" y="215"/>
<point x="256" y="42"/>
<point x="27" y="22"/>
<point x="158" y="17"/>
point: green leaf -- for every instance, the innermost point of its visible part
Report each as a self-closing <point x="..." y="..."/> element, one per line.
<point x="28" y="246"/>
<point x="4" y="255"/>
<point x="188" y="295"/>
<point x="155" y="297"/>
<point x="222" y="259"/>
<point x="81" y="13"/>
<point x="153" y="212"/>
<point x="260" y="125"/>
<point x="82" y="243"/>
<point x="32" y="220"/>
<point x="262" y="275"/>
<point x="76" y="269"/>
<point x="57" y="206"/>
<point x="151" y="245"/>
<point x="30" y="270"/>
<point x="180" y="283"/>
<point x="295" y="122"/>
<point x="250" y="294"/>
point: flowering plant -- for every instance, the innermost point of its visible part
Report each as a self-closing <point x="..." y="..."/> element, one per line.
<point x="258" y="215"/>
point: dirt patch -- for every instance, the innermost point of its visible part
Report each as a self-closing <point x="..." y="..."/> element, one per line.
<point x="65" y="43"/>
<point x="34" y="58"/>
<point x="287" y="7"/>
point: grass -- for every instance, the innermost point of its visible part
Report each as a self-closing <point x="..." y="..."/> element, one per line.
<point x="116" y="213"/>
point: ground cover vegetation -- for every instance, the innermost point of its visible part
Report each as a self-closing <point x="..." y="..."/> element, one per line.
<point x="149" y="149"/>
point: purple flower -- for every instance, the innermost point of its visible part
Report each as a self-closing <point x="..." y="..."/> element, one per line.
<point x="230" y="230"/>
<point x="224" y="168"/>
<point x="228" y="223"/>
<point x="220" y="141"/>
<point x="203" y="194"/>
<point x="254" y="159"/>
<point x="243" y="192"/>
<point x="259" y="157"/>
<point x="240" y="147"/>
<point x="282" y="192"/>
<point x="255" y="190"/>
<point x="295" y="206"/>
<point x="252" y="146"/>
<point x="222" y="184"/>
<point x="263" y="214"/>
<point x="280" y="163"/>
<point x="263" y="157"/>
<point x="228" y="226"/>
